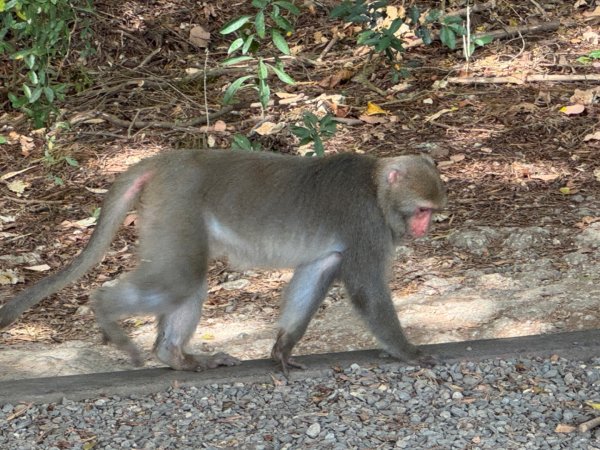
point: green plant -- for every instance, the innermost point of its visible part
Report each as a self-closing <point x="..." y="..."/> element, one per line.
<point x="51" y="159"/>
<point x="34" y="34"/>
<point x="591" y="56"/>
<point x="316" y="131"/>
<point x="242" y="143"/>
<point x="383" y="39"/>
<point x="270" y="23"/>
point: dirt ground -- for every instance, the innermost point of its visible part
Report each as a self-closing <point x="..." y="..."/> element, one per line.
<point x="515" y="253"/>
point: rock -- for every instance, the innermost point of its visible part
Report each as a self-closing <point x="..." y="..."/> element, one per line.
<point x="313" y="431"/>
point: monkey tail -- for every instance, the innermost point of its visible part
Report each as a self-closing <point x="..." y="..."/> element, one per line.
<point x="119" y="200"/>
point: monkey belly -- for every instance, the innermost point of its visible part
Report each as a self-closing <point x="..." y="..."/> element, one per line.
<point x="274" y="250"/>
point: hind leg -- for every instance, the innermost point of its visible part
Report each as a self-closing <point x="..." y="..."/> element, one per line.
<point x="125" y="299"/>
<point x="175" y="329"/>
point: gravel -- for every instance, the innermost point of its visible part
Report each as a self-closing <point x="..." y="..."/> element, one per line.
<point x="493" y="404"/>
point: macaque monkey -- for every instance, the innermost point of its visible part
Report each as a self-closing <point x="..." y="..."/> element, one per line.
<point x="331" y="218"/>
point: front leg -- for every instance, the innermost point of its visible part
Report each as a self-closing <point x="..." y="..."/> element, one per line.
<point x="371" y="297"/>
<point x="302" y="298"/>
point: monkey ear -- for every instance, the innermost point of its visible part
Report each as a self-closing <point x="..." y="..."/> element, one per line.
<point x="396" y="171"/>
<point x="394" y="176"/>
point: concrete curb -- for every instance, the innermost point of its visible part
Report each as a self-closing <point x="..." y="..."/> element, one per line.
<point x="579" y="345"/>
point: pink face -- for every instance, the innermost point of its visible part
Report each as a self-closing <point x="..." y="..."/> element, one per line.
<point x="419" y="222"/>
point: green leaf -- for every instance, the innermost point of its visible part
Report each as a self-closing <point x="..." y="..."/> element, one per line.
<point x="260" y="4"/>
<point x="425" y="35"/>
<point x="414" y="14"/>
<point x="264" y="93"/>
<point x="33" y="77"/>
<point x="27" y="91"/>
<point x="283" y="23"/>
<point x="282" y="75"/>
<point x="235" y="45"/>
<point x="395" y="26"/>
<point x="447" y="20"/>
<point x="263" y="72"/>
<point x="433" y="15"/>
<point x="247" y="44"/>
<point x="318" y="146"/>
<point x="236" y="59"/>
<point x="595" y="54"/>
<point x="483" y="40"/>
<point x="310" y="120"/>
<point x="72" y="162"/>
<point x="3" y="140"/>
<point x="21" y="54"/>
<point x="30" y="61"/>
<point x="234" y="87"/>
<point x="35" y="95"/>
<point x="458" y="29"/>
<point x="241" y="142"/>
<point x="280" y="42"/>
<point x="289" y="6"/>
<point x="300" y="132"/>
<point x="235" y="24"/>
<point x="448" y="38"/>
<point x="259" y="24"/>
<point x="383" y="44"/>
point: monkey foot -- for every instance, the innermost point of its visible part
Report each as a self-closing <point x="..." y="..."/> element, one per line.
<point x="288" y="363"/>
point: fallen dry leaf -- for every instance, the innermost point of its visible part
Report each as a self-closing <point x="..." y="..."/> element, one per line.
<point x="333" y="80"/>
<point x="130" y="219"/>
<point x="585" y="97"/>
<point x="9" y="277"/>
<point x="17" y="186"/>
<point x="374" y="109"/>
<point x="269" y="128"/>
<point x="572" y="109"/>
<point x="199" y="36"/>
<point x="372" y="119"/>
<point x="594" y="13"/>
<point x="545" y="176"/>
<point x="564" y="428"/>
<point x="592" y="137"/>
<point x="26" y="145"/>
<point x="39" y="268"/>
<point x="220" y="126"/>
<point x="96" y="190"/>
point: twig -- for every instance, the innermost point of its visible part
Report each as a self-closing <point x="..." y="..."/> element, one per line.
<point x="30" y="201"/>
<point x="330" y="44"/>
<point x="517" y="31"/>
<point x="147" y="59"/>
<point x="137" y="113"/>
<point x="524" y="79"/>
<point x="506" y="32"/>
<point x="206" y="89"/>
<point x="539" y="7"/>
<point x="478" y="7"/>
<point x="587" y="426"/>
<point x="161" y="124"/>
<point x="348" y="121"/>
